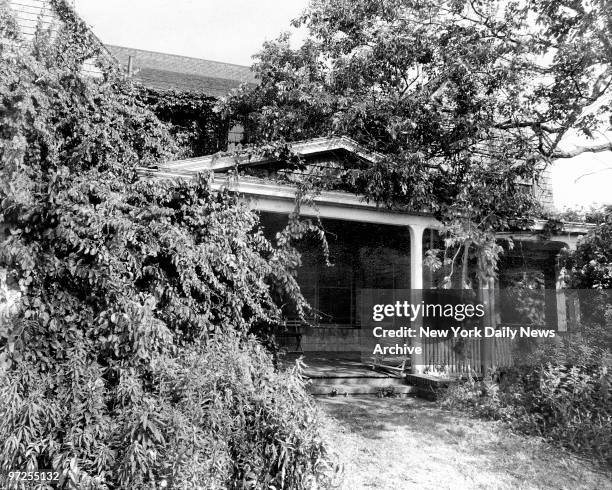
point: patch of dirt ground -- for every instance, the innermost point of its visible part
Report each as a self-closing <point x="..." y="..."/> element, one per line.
<point x="408" y="443"/>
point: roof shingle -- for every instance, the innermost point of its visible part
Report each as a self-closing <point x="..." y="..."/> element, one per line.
<point x="169" y="71"/>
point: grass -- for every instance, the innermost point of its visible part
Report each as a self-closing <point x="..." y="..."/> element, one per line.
<point x="393" y="443"/>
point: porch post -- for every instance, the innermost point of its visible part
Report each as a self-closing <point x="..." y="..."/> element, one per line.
<point x="555" y="313"/>
<point x="486" y="292"/>
<point x="416" y="286"/>
<point x="561" y="306"/>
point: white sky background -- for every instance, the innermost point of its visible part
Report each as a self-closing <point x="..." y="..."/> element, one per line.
<point x="233" y="30"/>
<point x="585" y="179"/>
<point x="220" y="30"/>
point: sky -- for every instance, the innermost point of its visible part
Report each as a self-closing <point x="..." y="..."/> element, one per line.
<point x="220" y="30"/>
<point x="233" y="30"/>
<point x="582" y="181"/>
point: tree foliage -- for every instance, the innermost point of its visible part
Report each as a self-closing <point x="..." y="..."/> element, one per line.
<point x="466" y="101"/>
<point x="128" y="359"/>
<point x="590" y="265"/>
<point x="589" y="269"/>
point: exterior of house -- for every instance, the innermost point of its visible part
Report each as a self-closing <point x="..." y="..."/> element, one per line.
<point x="161" y="71"/>
<point x="373" y="248"/>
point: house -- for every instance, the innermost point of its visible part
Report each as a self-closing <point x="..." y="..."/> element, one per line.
<point x="160" y="71"/>
<point x="373" y="248"/>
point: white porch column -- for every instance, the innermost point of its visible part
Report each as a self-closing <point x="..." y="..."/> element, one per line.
<point x="416" y="256"/>
<point x="561" y="305"/>
<point x="486" y="293"/>
<point x="416" y="286"/>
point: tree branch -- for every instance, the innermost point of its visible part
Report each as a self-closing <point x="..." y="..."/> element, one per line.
<point x="535" y="125"/>
<point x="579" y="150"/>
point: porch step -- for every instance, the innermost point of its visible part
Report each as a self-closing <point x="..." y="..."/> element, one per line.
<point x="423" y="386"/>
<point x="345" y="390"/>
<point x="362" y="385"/>
<point x="375" y="381"/>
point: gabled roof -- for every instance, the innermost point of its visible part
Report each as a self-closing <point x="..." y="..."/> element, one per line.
<point x="173" y="72"/>
<point x="311" y="147"/>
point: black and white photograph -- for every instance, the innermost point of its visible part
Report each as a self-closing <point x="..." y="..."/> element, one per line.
<point x="306" y="245"/>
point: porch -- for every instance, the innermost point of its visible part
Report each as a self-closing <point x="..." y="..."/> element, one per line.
<point x="372" y="248"/>
<point x="371" y="256"/>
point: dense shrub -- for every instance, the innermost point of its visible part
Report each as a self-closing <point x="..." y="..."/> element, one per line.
<point x="562" y="390"/>
<point x="265" y="425"/>
<point x="563" y="393"/>
<point x="128" y="360"/>
<point x="215" y="416"/>
<point x="590" y="265"/>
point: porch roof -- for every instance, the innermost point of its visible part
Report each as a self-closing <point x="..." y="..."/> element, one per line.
<point x="280" y="198"/>
<point x="315" y="146"/>
<point x="268" y="195"/>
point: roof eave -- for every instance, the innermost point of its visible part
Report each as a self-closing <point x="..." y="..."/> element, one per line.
<point x="220" y="163"/>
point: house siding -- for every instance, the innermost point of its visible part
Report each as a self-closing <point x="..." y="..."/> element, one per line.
<point x="29" y="13"/>
<point x="543" y="190"/>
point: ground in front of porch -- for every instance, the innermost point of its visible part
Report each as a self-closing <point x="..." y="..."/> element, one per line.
<point x="409" y="443"/>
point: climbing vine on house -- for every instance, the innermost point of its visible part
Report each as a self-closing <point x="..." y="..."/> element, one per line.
<point x="195" y="125"/>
